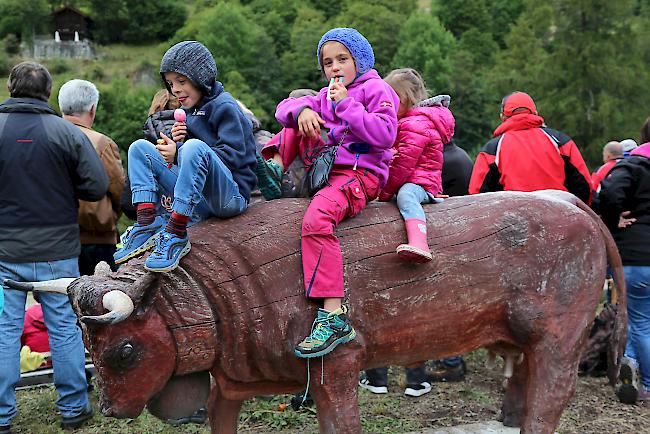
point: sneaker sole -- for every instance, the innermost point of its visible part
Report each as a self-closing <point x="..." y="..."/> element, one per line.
<point x="628" y="393"/>
<point x="172" y="266"/>
<point x="413" y="254"/>
<point x="377" y="390"/>
<point x="414" y="393"/>
<point x="324" y="351"/>
<point x="150" y="243"/>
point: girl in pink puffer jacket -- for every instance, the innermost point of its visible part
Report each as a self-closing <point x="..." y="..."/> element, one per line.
<point x="415" y="172"/>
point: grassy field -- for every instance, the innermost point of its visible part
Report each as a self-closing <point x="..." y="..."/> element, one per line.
<point x="138" y="64"/>
<point x="593" y="409"/>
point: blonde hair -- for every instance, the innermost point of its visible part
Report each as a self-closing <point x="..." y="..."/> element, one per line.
<point x="163" y="100"/>
<point x="408" y="84"/>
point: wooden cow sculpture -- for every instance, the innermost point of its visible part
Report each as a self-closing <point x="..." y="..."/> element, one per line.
<point x="514" y="272"/>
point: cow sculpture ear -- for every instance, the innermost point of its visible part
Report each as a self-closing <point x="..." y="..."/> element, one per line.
<point x="145" y="290"/>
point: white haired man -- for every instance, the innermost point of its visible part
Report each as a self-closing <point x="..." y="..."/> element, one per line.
<point x="97" y="220"/>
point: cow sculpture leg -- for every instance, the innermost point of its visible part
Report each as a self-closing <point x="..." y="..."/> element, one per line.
<point x="336" y="399"/>
<point x="223" y="413"/>
<point x="514" y="401"/>
<point x="552" y="374"/>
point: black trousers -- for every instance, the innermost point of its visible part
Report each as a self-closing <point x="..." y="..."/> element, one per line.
<point x="93" y="254"/>
<point x="379" y="376"/>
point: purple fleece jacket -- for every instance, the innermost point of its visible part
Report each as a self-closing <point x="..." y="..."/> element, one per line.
<point x="370" y="113"/>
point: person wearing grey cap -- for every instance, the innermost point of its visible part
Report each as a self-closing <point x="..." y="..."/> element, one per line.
<point x="208" y="162"/>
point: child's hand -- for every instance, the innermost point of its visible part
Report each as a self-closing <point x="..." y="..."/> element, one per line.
<point x="309" y="123"/>
<point x="179" y="131"/>
<point x="384" y="197"/>
<point x="338" y="91"/>
<point x="167" y="148"/>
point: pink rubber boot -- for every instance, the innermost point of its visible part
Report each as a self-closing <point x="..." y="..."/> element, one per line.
<point x="417" y="249"/>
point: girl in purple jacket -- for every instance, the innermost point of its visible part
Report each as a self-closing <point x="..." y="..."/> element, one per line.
<point x="416" y="169"/>
<point x="358" y="111"/>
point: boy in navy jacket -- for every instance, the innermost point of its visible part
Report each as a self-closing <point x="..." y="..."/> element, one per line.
<point x="208" y="163"/>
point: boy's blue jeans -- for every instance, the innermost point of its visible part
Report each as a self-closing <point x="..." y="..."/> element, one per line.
<point x="66" y="345"/>
<point x="637" y="281"/>
<point x="201" y="185"/>
<point x="409" y="199"/>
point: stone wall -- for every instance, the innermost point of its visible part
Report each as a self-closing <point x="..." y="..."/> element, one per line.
<point x="51" y="49"/>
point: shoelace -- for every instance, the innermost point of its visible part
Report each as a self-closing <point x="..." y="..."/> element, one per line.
<point x="162" y="245"/>
<point x="319" y="331"/>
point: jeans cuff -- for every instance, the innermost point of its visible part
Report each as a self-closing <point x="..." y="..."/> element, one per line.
<point x="144" y="196"/>
<point x="182" y="207"/>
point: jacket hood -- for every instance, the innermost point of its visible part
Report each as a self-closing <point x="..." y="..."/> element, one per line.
<point x="521" y="121"/>
<point x="643" y="150"/>
<point x="26" y="105"/>
<point x="364" y="77"/>
<point x="215" y="90"/>
<point x="440" y="116"/>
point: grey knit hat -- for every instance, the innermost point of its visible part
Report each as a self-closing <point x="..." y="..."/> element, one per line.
<point x="193" y="60"/>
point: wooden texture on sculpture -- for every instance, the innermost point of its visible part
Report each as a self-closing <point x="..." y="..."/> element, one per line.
<point x="514" y="272"/>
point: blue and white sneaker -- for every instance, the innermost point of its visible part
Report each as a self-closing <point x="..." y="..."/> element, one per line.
<point x="138" y="239"/>
<point x="169" y="250"/>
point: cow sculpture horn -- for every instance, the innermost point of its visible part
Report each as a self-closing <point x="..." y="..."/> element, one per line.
<point x="57" y="285"/>
<point x="119" y="306"/>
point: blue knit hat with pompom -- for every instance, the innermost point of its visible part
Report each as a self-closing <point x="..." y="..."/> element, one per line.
<point x="359" y="47"/>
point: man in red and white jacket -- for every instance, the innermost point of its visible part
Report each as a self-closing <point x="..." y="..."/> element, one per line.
<point x="612" y="153"/>
<point x="526" y="155"/>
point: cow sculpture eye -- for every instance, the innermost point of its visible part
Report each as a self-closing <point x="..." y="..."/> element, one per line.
<point x="127" y="352"/>
<point x="123" y="357"/>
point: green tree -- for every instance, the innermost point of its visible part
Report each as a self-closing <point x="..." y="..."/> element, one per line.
<point x="426" y="46"/>
<point x="276" y="17"/>
<point x="239" y="44"/>
<point x="122" y="111"/>
<point x="474" y="102"/>
<point x="136" y="22"/>
<point x="459" y="16"/>
<point x="299" y="63"/>
<point x="378" y="24"/>
<point x="22" y="18"/>
<point x="582" y="62"/>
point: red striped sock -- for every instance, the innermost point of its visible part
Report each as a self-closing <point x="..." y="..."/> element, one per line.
<point x="146" y="213"/>
<point x="177" y="225"/>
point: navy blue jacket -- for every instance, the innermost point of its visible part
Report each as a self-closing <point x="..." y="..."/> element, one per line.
<point x="220" y="123"/>
<point x="46" y="165"/>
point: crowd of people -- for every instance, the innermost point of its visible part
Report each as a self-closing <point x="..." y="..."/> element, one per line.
<point x="360" y="138"/>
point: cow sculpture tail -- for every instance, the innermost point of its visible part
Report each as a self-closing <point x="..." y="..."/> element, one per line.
<point x="617" y="339"/>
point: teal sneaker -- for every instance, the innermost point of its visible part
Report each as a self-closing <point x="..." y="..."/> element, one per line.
<point x="328" y="330"/>
<point x="138" y="239"/>
<point x="169" y="250"/>
<point x="269" y="177"/>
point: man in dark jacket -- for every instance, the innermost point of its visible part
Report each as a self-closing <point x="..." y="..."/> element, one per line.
<point x="46" y="166"/>
<point x="526" y="155"/>
<point x="625" y="207"/>
<point x="456" y="170"/>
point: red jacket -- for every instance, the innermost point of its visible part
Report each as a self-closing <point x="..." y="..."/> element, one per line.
<point x="421" y="135"/>
<point x="525" y="155"/>
<point x="34" y="331"/>
<point x="602" y="173"/>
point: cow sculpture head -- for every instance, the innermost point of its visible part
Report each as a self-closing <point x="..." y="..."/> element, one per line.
<point x="151" y="336"/>
<point x="132" y="348"/>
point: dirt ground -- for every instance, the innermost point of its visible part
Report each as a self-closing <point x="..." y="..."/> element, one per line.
<point x="594" y="408"/>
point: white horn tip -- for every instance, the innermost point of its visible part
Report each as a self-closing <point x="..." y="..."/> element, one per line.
<point x="102" y="269"/>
